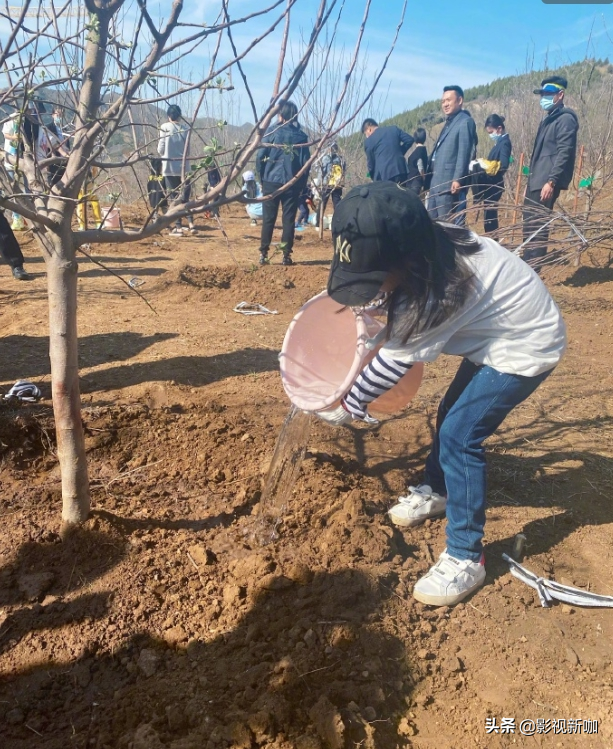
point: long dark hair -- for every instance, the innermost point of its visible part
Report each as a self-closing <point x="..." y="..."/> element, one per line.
<point x="434" y="282"/>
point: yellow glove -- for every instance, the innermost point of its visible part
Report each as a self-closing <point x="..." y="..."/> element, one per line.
<point x="491" y="168"/>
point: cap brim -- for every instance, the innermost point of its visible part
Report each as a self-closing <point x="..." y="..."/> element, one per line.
<point x="355" y="289"/>
<point x="542" y="91"/>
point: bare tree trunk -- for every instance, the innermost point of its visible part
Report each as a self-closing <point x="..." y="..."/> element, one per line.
<point x="63" y="352"/>
<point x="108" y="76"/>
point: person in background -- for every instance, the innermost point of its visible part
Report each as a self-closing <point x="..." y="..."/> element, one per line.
<point x="489" y="173"/>
<point x="213" y="176"/>
<point x="551" y="166"/>
<point x="446" y="291"/>
<point x="41" y="139"/>
<point x="453" y="151"/>
<point x="250" y="186"/>
<point x="12" y="144"/>
<point x="283" y="155"/>
<point x="155" y="186"/>
<point x="171" y="147"/>
<point x="11" y="251"/>
<point x="252" y="190"/>
<point x="417" y="162"/>
<point x="332" y="167"/>
<point x="304" y="199"/>
<point x="385" y="148"/>
<point x="88" y="196"/>
<point x="56" y="171"/>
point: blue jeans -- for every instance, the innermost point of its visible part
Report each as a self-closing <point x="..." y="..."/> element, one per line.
<point x="303" y="214"/>
<point x="474" y="406"/>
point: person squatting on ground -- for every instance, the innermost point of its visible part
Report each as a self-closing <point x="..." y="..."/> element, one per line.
<point x="453" y="151"/>
<point x="551" y="166"/>
<point x="282" y="156"/>
<point x="417" y="162"/>
<point x="171" y="147"/>
<point x="449" y="292"/>
<point x="488" y="174"/>
<point x="385" y="148"/>
<point x="252" y="190"/>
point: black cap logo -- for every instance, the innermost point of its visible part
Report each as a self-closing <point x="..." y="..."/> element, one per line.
<point x="343" y="250"/>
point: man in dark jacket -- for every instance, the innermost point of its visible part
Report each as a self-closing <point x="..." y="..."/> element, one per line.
<point x="385" y="148"/>
<point x="278" y="161"/>
<point x="551" y="166"/>
<point x="455" y="148"/>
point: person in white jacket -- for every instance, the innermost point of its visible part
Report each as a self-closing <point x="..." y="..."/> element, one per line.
<point x="171" y="147"/>
<point x="449" y="292"/>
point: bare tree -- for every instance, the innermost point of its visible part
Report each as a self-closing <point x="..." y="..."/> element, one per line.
<point x="111" y="67"/>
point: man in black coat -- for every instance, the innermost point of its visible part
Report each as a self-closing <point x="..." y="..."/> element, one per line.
<point x="551" y="166"/>
<point x="385" y="148"/>
<point x="278" y="161"/>
<point x="450" y="158"/>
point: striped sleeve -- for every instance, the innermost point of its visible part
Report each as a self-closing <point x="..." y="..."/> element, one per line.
<point x="374" y="380"/>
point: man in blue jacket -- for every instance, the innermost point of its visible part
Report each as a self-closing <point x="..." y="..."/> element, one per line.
<point x="385" y="148"/>
<point x="551" y="166"/>
<point x="278" y="161"/>
<point x="450" y="158"/>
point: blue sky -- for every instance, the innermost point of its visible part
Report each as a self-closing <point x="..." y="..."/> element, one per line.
<point x="441" y="42"/>
<point x="472" y="42"/>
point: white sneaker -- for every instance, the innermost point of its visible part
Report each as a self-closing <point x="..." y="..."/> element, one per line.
<point x="176" y="232"/>
<point x="449" y="581"/>
<point x="420" y="504"/>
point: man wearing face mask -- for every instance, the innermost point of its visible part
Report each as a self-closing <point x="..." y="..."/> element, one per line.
<point x="552" y="163"/>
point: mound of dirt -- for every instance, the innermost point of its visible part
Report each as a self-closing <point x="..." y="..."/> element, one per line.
<point x="287" y="288"/>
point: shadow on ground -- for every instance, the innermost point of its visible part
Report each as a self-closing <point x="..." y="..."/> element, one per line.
<point x="26" y="356"/>
<point x="193" y="371"/>
<point x="302" y="663"/>
<point x="586" y="276"/>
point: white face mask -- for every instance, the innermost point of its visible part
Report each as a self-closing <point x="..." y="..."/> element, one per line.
<point x="546" y="102"/>
<point x="495" y="136"/>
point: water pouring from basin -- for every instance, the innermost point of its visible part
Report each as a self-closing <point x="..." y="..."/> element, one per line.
<point x="325" y="348"/>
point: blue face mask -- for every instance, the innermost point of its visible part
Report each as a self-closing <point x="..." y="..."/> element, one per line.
<point x="495" y="136"/>
<point x="546" y="102"/>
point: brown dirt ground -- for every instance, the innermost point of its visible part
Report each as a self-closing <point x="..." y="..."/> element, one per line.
<point x="160" y="624"/>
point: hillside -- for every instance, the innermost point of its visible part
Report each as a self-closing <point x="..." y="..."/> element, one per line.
<point x="580" y="75"/>
<point x="589" y="94"/>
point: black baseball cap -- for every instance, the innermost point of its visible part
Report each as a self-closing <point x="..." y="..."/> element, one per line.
<point x="375" y="228"/>
<point x="552" y="85"/>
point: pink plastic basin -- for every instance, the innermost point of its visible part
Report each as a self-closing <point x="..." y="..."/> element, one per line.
<point x="325" y="349"/>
